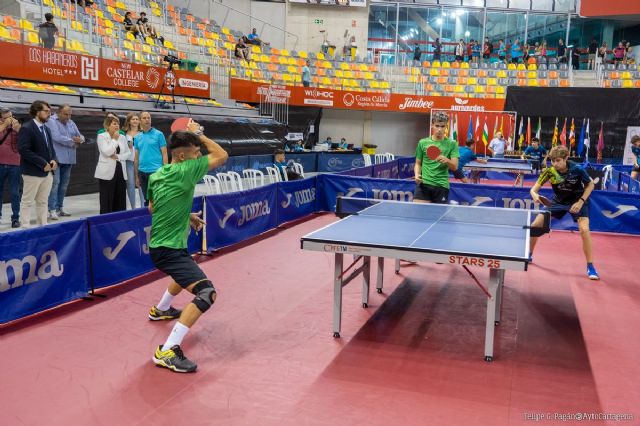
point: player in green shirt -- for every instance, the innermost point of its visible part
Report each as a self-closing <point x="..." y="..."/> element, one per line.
<point x="170" y="194"/>
<point x="432" y="176"/>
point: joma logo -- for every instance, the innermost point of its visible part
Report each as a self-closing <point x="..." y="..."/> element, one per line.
<point x="12" y="271"/>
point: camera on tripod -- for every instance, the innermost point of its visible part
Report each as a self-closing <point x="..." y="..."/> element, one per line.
<point x="172" y="60"/>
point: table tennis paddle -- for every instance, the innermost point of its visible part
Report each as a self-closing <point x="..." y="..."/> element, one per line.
<point x="544" y="200"/>
<point x="433" y="152"/>
<point x="181" y="123"/>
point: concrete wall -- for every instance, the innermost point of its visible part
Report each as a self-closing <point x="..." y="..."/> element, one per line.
<point x="393" y="132"/>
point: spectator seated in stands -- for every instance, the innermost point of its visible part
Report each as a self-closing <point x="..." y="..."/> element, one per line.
<point x="47" y="31"/>
<point x="343" y="144"/>
<point x="299" y="146"/>
<point x="280" y="163"/>
<point x="128" y="24"/>
<point x="83" y="3"/>
<point x="254" y="38"/>
<point x="145" y="27"/>
<point x="241" y="50"/>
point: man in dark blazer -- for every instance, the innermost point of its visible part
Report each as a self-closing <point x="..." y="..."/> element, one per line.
<point x="38" y="162"/>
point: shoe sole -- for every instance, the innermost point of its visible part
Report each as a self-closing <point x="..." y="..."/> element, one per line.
<point x="594" y="278"/>
<point x="164" y="318"/>
<point x="161" y="363"/>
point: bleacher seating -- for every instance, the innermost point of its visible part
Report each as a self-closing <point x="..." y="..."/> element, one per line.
<point x="621" y="76"/>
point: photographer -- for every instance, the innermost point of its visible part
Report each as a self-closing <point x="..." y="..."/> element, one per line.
<point x="10" y="163"/>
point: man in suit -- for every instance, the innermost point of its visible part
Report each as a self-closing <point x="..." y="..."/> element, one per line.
<point x="38" y="162"/>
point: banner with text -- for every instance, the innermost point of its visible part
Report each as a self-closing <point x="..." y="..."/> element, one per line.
<point x="55" y="66"/>
<point x="42" y="268"/>
<point x="249" y="91"/>
<point x="296" y="199"/>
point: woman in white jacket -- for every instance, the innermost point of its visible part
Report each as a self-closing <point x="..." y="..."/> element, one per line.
<point x="111" y="170"/>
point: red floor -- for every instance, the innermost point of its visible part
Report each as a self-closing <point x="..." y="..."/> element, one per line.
<point x="267" y="357"/>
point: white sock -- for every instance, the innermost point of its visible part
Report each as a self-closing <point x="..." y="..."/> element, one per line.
<point x="165" y="302"/>
<point x="176" y="336"/>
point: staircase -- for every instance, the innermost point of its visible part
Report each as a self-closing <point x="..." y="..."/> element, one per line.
<point x="585" y="78"/>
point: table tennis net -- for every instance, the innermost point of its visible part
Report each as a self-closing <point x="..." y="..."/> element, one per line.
<point x="347" y="206"/>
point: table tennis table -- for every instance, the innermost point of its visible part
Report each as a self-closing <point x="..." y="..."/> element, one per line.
<point x="484" y="237"/>
<point x="517" y="166"/>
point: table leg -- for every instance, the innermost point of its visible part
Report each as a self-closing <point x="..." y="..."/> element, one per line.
<point x="337" y="294"/>
<point x="494" y="280"/>
<point x="501" y="273"/>
<point x="366" y="279"/>
<point x="397" y="266"/>
<point x="380" y="278"/>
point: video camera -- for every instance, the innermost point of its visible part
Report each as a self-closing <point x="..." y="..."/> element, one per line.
<point x="172" y="60"/>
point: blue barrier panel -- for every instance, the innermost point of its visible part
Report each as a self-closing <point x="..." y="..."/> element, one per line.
<point x="337" y="162"/>
<point x="608" y="212"/>
<point x="309" y="160"/>
<point x="260" y="162"/>
<point x="194" y="241"/>
<point x="119" y="246"/>
<point x="296" y="199"/>
<point x="238" y="216"/>
<point x="41" y="268"/>
<point x="405" y="167"/>
<point x="388" y="170"/>
<point x="233" y="164"/>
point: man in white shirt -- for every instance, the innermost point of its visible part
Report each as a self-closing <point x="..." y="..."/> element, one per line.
<point x="497" y="146"/>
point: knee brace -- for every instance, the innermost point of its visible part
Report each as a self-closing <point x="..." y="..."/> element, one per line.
<point x="205" y="295"/>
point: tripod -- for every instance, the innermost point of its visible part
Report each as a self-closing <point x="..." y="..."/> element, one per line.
<point x="169" y="77"/>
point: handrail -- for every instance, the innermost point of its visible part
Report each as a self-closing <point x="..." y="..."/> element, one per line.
<point x="258" y="19"/>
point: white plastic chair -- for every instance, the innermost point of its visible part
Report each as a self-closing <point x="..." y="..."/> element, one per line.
<point x="380" y="158"/>
<point x="389" y="156"/>
<point x="274" y="175"/>
<point x="367" y="159"/>
<point x="230" y="182"/>
<point x="608" y="173"/>
<point x="213" y="185"/>
<point x="254" y="178"/>
<point x="297" y="167"/>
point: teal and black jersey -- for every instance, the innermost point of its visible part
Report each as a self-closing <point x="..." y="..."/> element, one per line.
<point x="569" y="186"/>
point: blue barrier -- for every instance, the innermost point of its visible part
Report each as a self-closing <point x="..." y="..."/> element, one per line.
<point x="260" y="162"/>
<point x="309" y="160"/>
<point x="337" y="162"/>
<point x="45" y="267"/>
<point x="42" y="268"/>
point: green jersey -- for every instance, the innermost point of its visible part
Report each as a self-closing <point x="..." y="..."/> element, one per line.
<point x="433" y="172"/>
<point x="171" y="191"/>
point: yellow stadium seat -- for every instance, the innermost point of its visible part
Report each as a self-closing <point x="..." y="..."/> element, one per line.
<point x="627" y="84"/>
<point x="532" y="82"/>
<point x="626" y="75"/>
<point x="511" y="67"/>
<point x="458" y="89"/>
<point x="120" y="5"/>
<point x="435" y="64"/>
<point x="479" y="89"/>
<point x="344" y="66"/>
<point x="320" y="56"/>
<point x="532" y="67"/>
<point x="127" y="45"/>
<point x="4" y="33"/>
<point x="32" y="37"/>
<point x="339" y="74"/>
<point x="303" y="54"/>
<point x="464" y="65"/>
<point x="500" y="90"/>
<point x="492" y="81"/>
<point x="374" y="84"/>
<point x="434" y="72"/>
<point x="521" y="67"/>
<point x="26" y="25"/>
<point x="384" y="85"/>
<point x="284" y="52"/>
<point x="472" y="81"/>
<point x="532" y="74"/>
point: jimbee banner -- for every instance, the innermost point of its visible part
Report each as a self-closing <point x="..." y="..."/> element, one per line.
<point x="296" y="199"/>
<point x="238" y="216"/>
<point x="41" y="268"/>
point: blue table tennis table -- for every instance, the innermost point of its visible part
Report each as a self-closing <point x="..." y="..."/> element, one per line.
<point x="517" y="166"/>
<point x="467" y="236"/>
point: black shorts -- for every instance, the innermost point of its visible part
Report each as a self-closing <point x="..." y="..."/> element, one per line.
<point x="458" y="174"/>
<point x="559" y="210"/>
<point x="435" y="194"/>
<point x="178" y="264"/>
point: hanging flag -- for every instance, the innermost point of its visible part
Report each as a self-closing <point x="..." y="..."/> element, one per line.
<point x="587" y="143"/>
<point x="581" y="140"/>
<point x="528" y="131"/>
<point x="502" y="125"/>
<point x="470" y="132"/>
<point x="554" y="140"/>
<point x="600" y="146"/>
<point x="539" y="129"/>
<point x="485" y="133"/>
<point x="495" y="128"/>
<point x="563" y="135"/>
<point x="454" y="132"/>
<point x="476" y="133"/>
<point x="572" y="135"/>
<point x="521" y="134"/>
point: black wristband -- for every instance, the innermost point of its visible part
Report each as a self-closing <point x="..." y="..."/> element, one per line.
<point x="583" y="200"/>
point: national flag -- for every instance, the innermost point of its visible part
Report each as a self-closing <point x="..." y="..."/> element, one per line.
<point x="470" y="132"/>
<point x="554" y="140"/>
<point x="485" y="133"/>
<point x="572" y="135"/>
<point x="476" y="133"/>
<point x="539" y="129"/>
<point x="528" y="131"/>
<point x="454" y="127"/>
<point x="581" y="140"/>
<point x="563" y="135"/>
<point x="587" y="142"/>
<point x="495" y="128"/>
<point x="600" y="146"/>
<point x="521" y="134"/>
<point x="502" y="125"/>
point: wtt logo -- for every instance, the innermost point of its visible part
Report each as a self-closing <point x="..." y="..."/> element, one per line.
<point x="89" y="68"/>
<point x="304" y="196"/>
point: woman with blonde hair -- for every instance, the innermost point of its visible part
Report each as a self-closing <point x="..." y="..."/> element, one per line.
<point x="131" y="129"/>
<point x="111" y="169"/>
